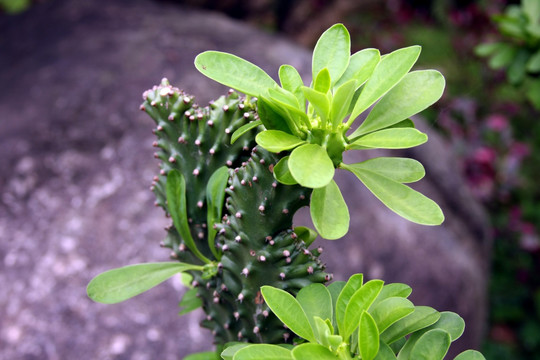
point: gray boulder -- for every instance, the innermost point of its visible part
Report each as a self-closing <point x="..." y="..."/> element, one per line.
<point x="76" y="162"/>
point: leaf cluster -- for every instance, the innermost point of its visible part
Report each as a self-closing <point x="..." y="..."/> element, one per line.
<point x="312" y="126"/>
<point x="520" y="54"/>
<point x="356" y="320"/>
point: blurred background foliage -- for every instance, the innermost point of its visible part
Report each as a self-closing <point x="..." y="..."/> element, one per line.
<point x="490" y="121"/>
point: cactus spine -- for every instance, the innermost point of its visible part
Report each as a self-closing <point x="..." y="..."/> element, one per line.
<point x="256" y="244"/>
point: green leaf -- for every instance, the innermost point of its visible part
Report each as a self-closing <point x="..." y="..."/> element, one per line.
<point x="244" y="129"/>
<point x="305" y="234"/>
<point x="353" y="284"/>
<point x="487" y="49"/>
<point x="385" y="352"/>
<point x="368" y="337"/>
<point x="402" y="170"/>
<point x="394" y="138"/>
<point x="423" y="316"/>
<point x="389" y="71"/>
<point x="277" y="141"/>
<point x="235" y="72"/>
<point x="390" y="310"/>
<point x="414" y="93"/>
<point x="117" y="285"/>
<point x="359" y="302"/>
<point x="310" y="165"/>
<point x="207" y="355"/>
<point x="316" y="300"/>
<point x="190" y="301"/>
<point x="176" y="200"/>
<point x="470" y="355"/>
<point x="322" y="81"/>
<point x="282" y="173"/>
<point x="263" y="352"/>
<point x="230" y="350"/>
<point x="400" y="198"/>
<point x="329" y="212"/>
<point x="335" y="289"/>
<point x="311" y="352"/>
<point x="433" y="345"/>
<point x="502" y="57"/>
<point x="319" y="101"/>
<point x="531" y="8"/>
<point x="341" y="102"/>
<point x="361" y="66"/>
<point x="516" y="70"/>
<point x="533" y="65"/>
<point x="392" y="290"/>
<point x="215" y="198"/>
<point x="284" y="96"/>
<point x="292" y="81"/>
<point x="289" y="311"/>
<point x="332" y="51"/>
<point x="286" y="104"/>
<point x="272" y="118"/>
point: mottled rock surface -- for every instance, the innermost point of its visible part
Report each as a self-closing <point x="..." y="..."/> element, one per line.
<point x="76" y="162"/>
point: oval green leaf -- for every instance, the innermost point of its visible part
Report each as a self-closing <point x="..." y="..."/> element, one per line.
<point x="190" y="301"/>
<point x="206" y="355"/>
<point x="312" y="351"/>
<point x="392" y="290"/>
<point x="215" y="198"/>
<point x="421" y="317"/>
<point x="282" y="173"/>
<point x="329" y="212"/>
<point x="289" y="311"/>
<point x="263" y="352"/>
<point x="244" y="129"/>
<point x="341" y="102"/>
<point x="316" y="300"/>
<point x="359" y="302"/>
<point x="385" y="352"/>
<point x="393" y="138"/>
<point x="361" y="66"/>
<point x="391" y="310"/>
<point x="235" y="72"/>
<point x="389" y="71"/>
<point x="470" y="355"/>
<point x="322" y="81"/>
<point x="311" y="166"/>
<point x="368" y="337"/>
<point x="332" y="51"/>
<point x="414" y="93"/>
<point x="433" y="345"/>
<point x="353" y="284"/>
<point x="306" y="234"/>
<point x="120" y="284"/>
<point x="402" y="170"/>
<point x="319" y="101"/>
<point x="292" y="81"/>
<point x="400" y="198"/>
<point x="277" y="141"/>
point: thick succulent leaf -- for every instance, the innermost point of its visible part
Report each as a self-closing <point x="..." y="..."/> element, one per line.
<point x="190" y="301"/>
<point x="311" y="166"/>
<point x="470" y="355"/>
<point x="391" y="310"/>
<point x="277" y="141"/>
<point x="231" y="349"/>
<point x="316" y="300"/>
<point x="215" y="198"/>
<point x="282" y="173"/>
<point x="332" y="51"/>
<point x="292" y="81"/>
<point x="206" y="355"/>
<point x="403" y="170"/>
<point x="319" y="101"/>
<point x="414" y="93"/>
<point x="322" y="81"/>
<point x="274" y="118"/>
<point x="263" y="352"/>
<point x="289" y="311"/>
<point x="392" y="290"/>
<point x="283" y="96"/>
<point x="359" y="302"/>
<point x="433" y="345"/>
<point x="175" y="190"/>
<point x="312" y="351"/>
<point x="400" y="198"/>
<point x="287" y="105"/>
<point x="329" y="212"/>
<point x="422" y="317"/>
<point x="235" y="72"/>
<point x="120" y="284"/>
<point x="361" y="66"/>
<point x="306" y="234"/>
<point x="353" y="284"/>
<point x="341" y="102"/>
<point x="335" y="289"/>
<point x="385" y="352"/>
<point x="368" y="337"/>
<point x="244" y="129"/>
<point x="394" y="138"/>
<point x="389" y="71"/>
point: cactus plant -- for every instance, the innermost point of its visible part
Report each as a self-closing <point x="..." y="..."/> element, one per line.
<point x="234" y="173"/>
